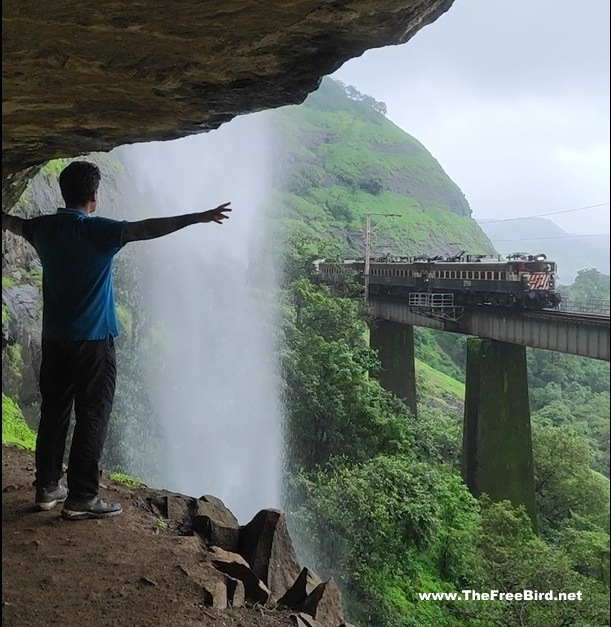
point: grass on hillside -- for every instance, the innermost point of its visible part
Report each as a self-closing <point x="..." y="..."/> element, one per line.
<point x="15" y="431"/>
<point x="14" y="428"/>
<point x="440" y="383"/>
<point x="343" y="159"/>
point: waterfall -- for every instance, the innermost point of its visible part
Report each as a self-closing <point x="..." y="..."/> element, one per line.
<point x="212" y="372"/>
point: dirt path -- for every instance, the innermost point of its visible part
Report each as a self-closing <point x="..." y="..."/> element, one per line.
<point x="121" y="571"/>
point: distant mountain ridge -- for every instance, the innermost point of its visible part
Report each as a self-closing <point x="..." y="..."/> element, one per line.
<point x="341" y="158"/>
<point x="540" y="235"/>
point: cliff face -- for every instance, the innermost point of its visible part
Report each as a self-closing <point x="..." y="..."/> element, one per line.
<point x="79" y="78"/>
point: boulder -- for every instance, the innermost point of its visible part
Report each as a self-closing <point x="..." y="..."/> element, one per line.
<point x="212" y="583"/>
<point x="172" y="507"/>
<point x="266" y="545"/>
<point x="236" y="567"/>
<point x="300" y="590"/>
<point x="188" y="548"/>
<point x="324" y="604"/>
<point x="207" y="516"/>
<point x="236" y="594"/>
<point x="215" y="524"/>
<point x="305" y="620"/>
<point x="219" y="590"/>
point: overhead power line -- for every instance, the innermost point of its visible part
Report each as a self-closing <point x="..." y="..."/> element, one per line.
<point x="541" y="215"/>
<point x="533" y="239"/>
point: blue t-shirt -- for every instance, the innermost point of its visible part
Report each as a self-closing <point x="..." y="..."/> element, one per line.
<point x="76" y="251"/>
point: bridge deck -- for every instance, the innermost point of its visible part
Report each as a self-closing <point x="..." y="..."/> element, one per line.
<point x="566" y="332"/>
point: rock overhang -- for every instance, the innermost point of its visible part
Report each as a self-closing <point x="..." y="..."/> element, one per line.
<point x="81" y="77"/>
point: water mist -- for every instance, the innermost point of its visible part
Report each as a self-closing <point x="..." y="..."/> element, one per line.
<point x="213" y="375"/>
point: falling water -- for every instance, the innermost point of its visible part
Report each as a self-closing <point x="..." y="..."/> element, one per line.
<point x="213" y="377"/>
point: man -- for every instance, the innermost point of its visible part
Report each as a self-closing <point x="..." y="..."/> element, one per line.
<point x="78" y="331"/>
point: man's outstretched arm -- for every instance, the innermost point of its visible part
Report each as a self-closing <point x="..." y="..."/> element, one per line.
<point x="158" y="227"/>
<point x="13" y="224"/>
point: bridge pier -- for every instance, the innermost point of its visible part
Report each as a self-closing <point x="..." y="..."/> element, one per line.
<point x="394" y="343"/>
<point x="497" y="453"/>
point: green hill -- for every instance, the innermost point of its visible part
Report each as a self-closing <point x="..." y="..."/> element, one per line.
<point x="341" y="158"/>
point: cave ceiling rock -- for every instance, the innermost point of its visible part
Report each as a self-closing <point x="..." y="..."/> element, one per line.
<point x="82" y="77"/>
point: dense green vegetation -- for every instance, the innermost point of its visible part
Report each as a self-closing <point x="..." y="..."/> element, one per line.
<point x="376" y="500"/>
<point x="374" y="496"/>
<point x="589" y="285"/>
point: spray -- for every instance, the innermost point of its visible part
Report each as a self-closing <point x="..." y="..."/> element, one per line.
<point x="212" y="370"/>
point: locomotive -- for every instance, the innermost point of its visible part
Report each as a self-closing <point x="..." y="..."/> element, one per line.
<point x="519" y="280"/>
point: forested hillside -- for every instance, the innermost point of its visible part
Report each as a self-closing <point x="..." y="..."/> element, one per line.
<point x="339" y="158"/>
<point x="376" y="498"/>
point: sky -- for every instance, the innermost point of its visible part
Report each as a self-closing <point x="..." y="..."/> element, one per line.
<point x="512" y="98"/>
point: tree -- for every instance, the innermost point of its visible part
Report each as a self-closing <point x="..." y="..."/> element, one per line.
<point x="513" y="560"/>
<point x="565" y="485"/>
<point x="589" y="284"/>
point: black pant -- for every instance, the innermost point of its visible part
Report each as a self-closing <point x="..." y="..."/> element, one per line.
<point x="79" y="373"/>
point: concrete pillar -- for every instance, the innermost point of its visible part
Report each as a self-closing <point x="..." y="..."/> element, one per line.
<point x="497" y="455"/>
<point x="394" y="343"/>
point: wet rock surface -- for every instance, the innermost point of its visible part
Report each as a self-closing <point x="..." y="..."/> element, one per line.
<point x="304" y="585"/>
<point x="324" y="604"/>
<point x="21" y="349"/>
<point x="266" y="545"/>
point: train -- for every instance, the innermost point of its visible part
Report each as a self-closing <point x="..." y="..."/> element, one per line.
<point x="518" y="280"/>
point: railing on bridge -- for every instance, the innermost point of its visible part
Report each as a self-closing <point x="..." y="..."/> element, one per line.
<point x="435" y="305"/>
<point x="431" y="300"/>
<point x="592" y="306"/>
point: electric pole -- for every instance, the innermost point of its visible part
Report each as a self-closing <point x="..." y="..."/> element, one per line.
<point x="369" y="229"/>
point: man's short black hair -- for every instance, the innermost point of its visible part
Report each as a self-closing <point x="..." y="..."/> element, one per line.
<point x="78" y="182"/>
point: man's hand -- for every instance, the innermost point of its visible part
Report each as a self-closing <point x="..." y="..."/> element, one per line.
<point x="216" y="215"/>
<point x="158" y="227"/>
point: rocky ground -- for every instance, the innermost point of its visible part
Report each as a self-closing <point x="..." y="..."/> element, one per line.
<point x="127" y="570"/>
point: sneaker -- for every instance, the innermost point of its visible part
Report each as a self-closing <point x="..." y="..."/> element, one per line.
<point x="92" y="508"/>
<point x="47" y="498"/>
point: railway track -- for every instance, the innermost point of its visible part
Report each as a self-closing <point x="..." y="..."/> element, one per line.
<point x="577" y="316"/>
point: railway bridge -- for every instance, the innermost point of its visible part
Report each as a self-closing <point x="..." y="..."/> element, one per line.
<point x="497" y="445"/>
